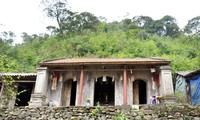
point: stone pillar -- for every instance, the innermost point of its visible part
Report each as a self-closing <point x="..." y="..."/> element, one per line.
<point x="39" y="96"/>
<point x="166" y="87"/>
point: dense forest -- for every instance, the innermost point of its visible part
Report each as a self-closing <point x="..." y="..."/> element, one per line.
<point x="84" y="35"/>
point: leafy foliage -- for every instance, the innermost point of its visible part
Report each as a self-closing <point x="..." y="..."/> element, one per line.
<point x="86" y="35"/>
<point x="95" y="111"/>
<point x="8" y="89"/>
<point x="120" y="116"/>
<point x="193" y="26"/>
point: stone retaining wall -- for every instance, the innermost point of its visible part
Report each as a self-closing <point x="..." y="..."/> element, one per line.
<point x="150" y="112"/>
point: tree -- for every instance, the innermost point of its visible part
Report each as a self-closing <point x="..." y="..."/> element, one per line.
<point x="7" y="37"/>
<point x="166" y="26"/>
<point x="170" y="26"/>
<point x="59" y="11"/>
<point x="87" y="21"/>
<point x="128" y="24"/>
<point x="26" y="37"/>
<point x="142" y="21"/>
<point x="193" y="26"/>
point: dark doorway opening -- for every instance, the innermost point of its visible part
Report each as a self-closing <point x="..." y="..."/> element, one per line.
<point x="73" y="93"/>
<point x="69" y="93"/>
<point x="104" y="91"/>
<point x="142" y="92"/>
<point x="24" y="97"/>
<point x="139" y="92"/>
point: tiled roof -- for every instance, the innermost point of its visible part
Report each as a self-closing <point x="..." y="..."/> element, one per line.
<point x="18" y="74"/>
<point x="88" y="61"/>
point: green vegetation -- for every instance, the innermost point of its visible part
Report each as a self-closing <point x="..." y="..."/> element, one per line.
<point x="95" y="111"/>
<point x="80" y="35"/>
<point x="8" y="91"/>
<point x="180" y="97"/>
<point x="120" y="116"/>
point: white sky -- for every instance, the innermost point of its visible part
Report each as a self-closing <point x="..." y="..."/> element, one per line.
<point x="26" y="15"/>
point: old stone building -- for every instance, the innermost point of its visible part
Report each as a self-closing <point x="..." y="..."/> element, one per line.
<point x="64" y="82"/>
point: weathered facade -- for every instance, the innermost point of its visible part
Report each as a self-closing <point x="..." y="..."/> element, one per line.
<point x="79" y="82"/>
<point x="187" y="86"/>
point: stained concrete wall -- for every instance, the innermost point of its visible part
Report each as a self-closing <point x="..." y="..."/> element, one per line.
<point x="118" y="91"/>
<point x="145" y="75"/>
<point x="89" y="85"/>
<point x="88" y="88"/>
<point x="55" y="95"/>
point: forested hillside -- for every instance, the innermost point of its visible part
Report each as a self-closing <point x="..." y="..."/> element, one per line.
<point x="78" y="35"/>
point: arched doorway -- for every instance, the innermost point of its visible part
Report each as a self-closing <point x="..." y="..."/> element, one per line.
<point x="104" y="91"/>
<point x="139" y="92"/>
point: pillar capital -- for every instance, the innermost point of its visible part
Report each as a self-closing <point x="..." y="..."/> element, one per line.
<point x="165" y="67"/>
<point x="42" y="68"/>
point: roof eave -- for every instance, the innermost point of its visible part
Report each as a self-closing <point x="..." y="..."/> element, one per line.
<point x="106" y="63"/>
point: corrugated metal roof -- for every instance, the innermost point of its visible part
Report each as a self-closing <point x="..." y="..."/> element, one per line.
<point x="87" y="61"/>
<point x="187" y="73"/>
<point x="18" y="74"/>
<point x="183" y="73"/>
<point x="193" y="73"/>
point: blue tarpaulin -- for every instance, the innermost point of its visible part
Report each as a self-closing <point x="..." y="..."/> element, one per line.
<point x="195" y="90"/>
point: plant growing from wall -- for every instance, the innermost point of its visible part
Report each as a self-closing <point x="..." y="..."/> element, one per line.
<point x="120" y="116"/>
<point x="96" y="110"/>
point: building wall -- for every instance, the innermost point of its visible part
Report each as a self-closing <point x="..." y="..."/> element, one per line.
<point x="55" y="95"/>
<point x="88" y="88"/>
<point x="89" y="85"/>
<point x="145" y="75"/>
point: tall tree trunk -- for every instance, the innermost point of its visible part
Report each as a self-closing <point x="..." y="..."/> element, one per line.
<point x="60" y="27"/>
